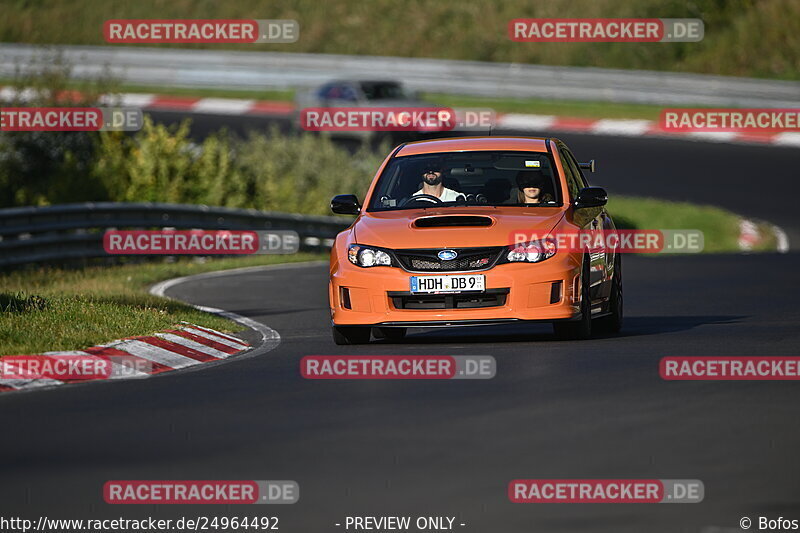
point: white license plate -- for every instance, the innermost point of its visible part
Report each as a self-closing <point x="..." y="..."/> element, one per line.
<point x="452" y="283"/>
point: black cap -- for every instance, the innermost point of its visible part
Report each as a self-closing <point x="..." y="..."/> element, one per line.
<point x="531" y="178"/>
<point x="436" y="163"/>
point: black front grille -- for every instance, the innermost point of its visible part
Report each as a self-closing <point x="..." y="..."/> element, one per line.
<point x="467" y="259"/>
<point x="490" y="298"/>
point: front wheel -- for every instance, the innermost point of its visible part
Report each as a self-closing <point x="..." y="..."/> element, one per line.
<point x="350" y="334"/>
<point x="580" y="329"/>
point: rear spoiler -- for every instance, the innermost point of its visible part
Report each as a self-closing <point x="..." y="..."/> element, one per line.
<point x="587" y="166"/>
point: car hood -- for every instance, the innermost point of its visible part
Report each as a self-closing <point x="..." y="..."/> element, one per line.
<point x="453" y="227"/>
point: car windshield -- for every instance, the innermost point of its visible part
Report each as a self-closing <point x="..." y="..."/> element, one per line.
<point x="467" y="178"/>
<point x="383" y="91"/>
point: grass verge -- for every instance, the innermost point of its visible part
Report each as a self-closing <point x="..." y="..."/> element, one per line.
<point x="720" y="227"/>
<point x="51" y="309"/>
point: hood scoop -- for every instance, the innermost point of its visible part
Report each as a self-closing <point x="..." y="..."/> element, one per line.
<point x="449" y="221"/>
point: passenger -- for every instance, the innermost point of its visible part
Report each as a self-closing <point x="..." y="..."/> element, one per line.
<point x="531" y="185"/>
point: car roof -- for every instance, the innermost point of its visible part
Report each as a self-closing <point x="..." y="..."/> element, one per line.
<point x="370" y="81"/>
<point x="474" y="144"/>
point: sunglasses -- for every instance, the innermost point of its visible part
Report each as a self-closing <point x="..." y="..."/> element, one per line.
<point x="433" y="170"/>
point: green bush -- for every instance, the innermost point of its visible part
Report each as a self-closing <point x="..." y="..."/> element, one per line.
<point x="262" y="171"/>
<point x="41" y="168"/>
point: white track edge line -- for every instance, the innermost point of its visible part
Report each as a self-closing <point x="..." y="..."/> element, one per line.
<point x="270" y="338"/>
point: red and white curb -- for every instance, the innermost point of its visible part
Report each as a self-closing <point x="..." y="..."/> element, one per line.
<point x="210" y="106"/>
<point x="636" y="128"/>
<point x="173" y="349"/>
<point x="155" y="102"/>
<point x="750" y="236"/>
<point x="510" y="121"/>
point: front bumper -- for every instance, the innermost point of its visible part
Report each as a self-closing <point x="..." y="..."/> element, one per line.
<point x="533" y="291"/>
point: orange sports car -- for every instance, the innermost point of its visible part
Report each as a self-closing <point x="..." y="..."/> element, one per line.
<point x="458" y="232"/>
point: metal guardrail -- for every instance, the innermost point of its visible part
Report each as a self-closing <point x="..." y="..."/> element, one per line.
<point x="66" y="232"/>
<point x="170" y="67"/>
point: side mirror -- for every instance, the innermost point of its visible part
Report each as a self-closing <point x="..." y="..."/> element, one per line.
<point x="345" y="204"/>
<point x="591" y="197"/>
<point x="587" y="166"/>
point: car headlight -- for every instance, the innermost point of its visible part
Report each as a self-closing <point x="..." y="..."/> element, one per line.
<point x="365" y="256"/>
<point x="531" y="252"/>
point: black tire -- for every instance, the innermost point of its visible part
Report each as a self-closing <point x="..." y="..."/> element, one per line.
<point x="613" y="322"/>
<point x="578" y="329"/>
<point x="350" y="334"/>
<point x="390" y="334"/>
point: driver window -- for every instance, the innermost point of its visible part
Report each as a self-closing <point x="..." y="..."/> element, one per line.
<point x="570" y="173"/>
<point x="576" y="169"/>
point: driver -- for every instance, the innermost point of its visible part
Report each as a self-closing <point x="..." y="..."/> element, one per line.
<point x="432" y="185"/>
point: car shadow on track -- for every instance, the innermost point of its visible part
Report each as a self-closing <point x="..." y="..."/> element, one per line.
<point x="635" y="326"/>
<point x="653" y="325"/>
<point x="269" y="312"/>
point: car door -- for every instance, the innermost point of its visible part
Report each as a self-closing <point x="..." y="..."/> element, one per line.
<point x="593" y="221"/>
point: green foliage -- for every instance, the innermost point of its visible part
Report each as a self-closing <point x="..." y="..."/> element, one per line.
<point x="40" y="168"/>
<point x="263" y="171"/>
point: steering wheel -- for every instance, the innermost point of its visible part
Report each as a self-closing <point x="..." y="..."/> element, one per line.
<point x="422" y="198"/>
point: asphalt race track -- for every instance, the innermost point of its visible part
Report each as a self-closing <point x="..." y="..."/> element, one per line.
<point x="590" y="409"/>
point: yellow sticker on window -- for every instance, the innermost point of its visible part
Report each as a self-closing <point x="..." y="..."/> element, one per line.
<point x="535" y="164"/>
